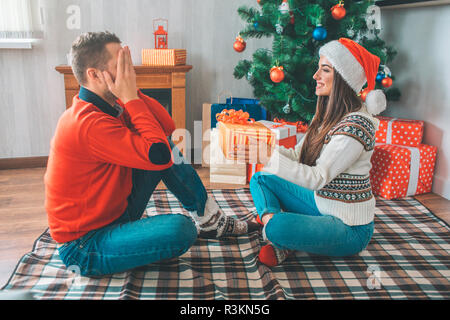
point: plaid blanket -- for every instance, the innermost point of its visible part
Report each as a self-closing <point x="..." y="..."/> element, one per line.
<point x="407" y="258"/>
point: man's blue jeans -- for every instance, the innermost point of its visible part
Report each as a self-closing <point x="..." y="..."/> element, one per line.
<point x="130" y="241"/>
<point x="297" y="224"/>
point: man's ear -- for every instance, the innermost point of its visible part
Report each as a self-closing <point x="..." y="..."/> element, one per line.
<point x="92" y="75"/>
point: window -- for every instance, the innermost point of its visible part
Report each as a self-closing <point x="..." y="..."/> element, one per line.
<point x="16" y="24"/>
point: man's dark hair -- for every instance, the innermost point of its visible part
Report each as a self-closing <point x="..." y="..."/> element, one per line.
<point x="89" y="51"/>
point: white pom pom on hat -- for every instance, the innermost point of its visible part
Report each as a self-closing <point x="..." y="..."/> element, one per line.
<point x="357" y="66"/>
<point x="375" y="101"/>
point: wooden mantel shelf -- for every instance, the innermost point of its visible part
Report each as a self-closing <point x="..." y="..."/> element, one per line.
<point x="140" y="69"/>
<point x="147" y="77"/>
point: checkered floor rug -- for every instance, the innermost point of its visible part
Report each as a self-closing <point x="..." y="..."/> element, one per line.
<point x="407" y="258"/>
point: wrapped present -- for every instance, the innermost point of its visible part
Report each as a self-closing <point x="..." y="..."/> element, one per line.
<point x="402" y="132"/>
<point x="163" y="57"/>
<point x="237" y="139"/>
<point x="301" y="126"/>
<point x="223" y="170"/>
<point x="400" y="171"/>
<point x="252" y="168"/>
<point x="285" y="134"/>
<point x="210" y="111"/>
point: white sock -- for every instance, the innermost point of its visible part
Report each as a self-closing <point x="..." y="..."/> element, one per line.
<point x="215" y="219"/>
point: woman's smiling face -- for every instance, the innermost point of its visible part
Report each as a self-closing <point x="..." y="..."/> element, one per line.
<point x="324" y="77"/>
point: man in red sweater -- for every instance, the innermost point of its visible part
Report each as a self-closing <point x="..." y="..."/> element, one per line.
<point x="109" y="152"/>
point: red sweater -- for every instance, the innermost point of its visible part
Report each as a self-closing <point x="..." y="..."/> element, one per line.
<point x="89" y="170"/>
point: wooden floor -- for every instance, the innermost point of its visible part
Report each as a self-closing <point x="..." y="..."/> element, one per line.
<point x="23" y="218"/>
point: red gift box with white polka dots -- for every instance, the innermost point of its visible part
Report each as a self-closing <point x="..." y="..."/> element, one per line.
<point x="399" y="171"/>
<point x="402" y="132"/>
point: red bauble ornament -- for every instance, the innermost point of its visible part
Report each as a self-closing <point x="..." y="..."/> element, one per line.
<point x="277" y="74"/>
<point x="338" y="11"/>
<point x="239" y="45"/>
<point x="259" y="1"/>
<point x="364" y="94"/>
<point x="386" y="82"/>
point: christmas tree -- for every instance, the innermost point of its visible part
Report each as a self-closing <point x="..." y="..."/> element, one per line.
<point x="282" y="78"/>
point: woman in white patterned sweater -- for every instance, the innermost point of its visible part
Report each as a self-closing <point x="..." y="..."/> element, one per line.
<point x="317" y="197"/>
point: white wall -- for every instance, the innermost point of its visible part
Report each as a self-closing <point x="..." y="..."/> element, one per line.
<point x="422" y="71"/>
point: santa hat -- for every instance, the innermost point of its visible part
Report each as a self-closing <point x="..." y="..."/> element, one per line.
<point x="357" y="66"/>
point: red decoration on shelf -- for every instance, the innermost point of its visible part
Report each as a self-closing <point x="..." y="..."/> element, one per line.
<point x="161" y="35"/>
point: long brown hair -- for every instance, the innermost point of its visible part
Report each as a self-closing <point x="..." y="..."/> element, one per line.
<point x="329" y="111"/>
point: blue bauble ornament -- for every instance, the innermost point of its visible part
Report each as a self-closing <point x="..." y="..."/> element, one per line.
<point x="319" y="33"/>
<point x="256" y="25"/>
<point x="380" y="76"/>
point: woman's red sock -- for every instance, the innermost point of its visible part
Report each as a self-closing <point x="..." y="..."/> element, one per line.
<point x="258" y="219"/>
<point x="272" y="256"/>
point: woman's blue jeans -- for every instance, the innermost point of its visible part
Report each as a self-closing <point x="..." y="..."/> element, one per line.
<point x="297" y="224"/>
<point x="130" y="241"/>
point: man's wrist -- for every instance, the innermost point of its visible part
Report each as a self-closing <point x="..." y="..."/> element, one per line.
<point x="128" y="99"/>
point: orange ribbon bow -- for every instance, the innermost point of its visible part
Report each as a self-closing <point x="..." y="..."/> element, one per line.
<point x="233" y="116"/>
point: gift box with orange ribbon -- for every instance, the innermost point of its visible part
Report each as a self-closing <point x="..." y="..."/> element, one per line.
<point x="285" y="135"/>
<point x="242" y="137"/>
<point x="402" y="132"/>
<point x="400" y="171"/>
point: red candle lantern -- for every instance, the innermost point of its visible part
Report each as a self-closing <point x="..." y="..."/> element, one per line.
<point x="161" y="35"/>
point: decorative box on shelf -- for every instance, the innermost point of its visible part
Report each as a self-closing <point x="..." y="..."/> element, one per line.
<point x="163" y="57"/>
